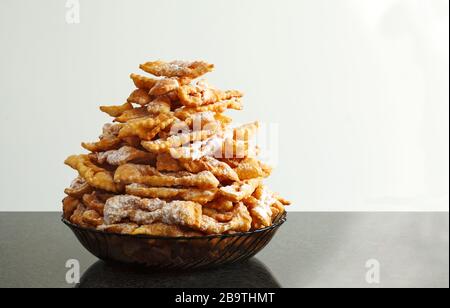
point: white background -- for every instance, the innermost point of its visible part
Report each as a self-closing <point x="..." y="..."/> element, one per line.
<point x="359" y="90"/>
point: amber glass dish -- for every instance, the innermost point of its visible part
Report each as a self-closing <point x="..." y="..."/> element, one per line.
<point x="175" y="252"/>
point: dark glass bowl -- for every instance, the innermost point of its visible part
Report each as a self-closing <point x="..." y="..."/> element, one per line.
<point x="175" y="252"/>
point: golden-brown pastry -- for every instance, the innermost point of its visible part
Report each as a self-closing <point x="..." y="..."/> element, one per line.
<point x="170" y="163"/>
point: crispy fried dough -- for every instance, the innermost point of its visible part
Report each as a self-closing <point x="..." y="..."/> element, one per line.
<point x="201" y="196"/>
<point x="177" y="68"/>
<point x="95" y="176"/>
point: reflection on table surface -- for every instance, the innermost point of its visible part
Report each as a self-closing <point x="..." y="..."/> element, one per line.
<point x="249" y="274"/>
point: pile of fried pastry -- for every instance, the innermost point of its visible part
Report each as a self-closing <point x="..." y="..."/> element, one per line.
<point x="171" y="163"/>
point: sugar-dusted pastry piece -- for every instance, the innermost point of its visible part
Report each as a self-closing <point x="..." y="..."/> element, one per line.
<point x="263" y="206"/>
<point x="96" y="201"/>
<point x="250" y="168"/>
<point x="123" y="155"/>
<point x="148" y="175"/>
<point x="132" y="114"/>
<point x="105" y="144"/>
<point x="201" y="196"/>
<point x="163" y="146"/>
<point x="70" y="204"/>
<point x="220" y="169"/>
<point x="219" y="145"/>
<point x="78" y="188"/>
<point x="147" y="211"/>
<point x="143" y="127"/>
<point x="164" y="86"/>
<point x="143" y="82"/>
<point x="241" y="222"/>
<point x="220" y="204"/>
<point x="220" y="216"/>
<point x="240" y="190"/>
<point x="77" y="216"/>
<point x="202" y="93"/>
<point x="116" y="111"/>
<point x="192" y="69"/>
<point x="140" y="97"/>
<point x="218" y="107"/>
<point x="161" y="104"/>
<point x="246" y="131"/>
<point x="94" y="175"/>
<point x="171" y="164"/>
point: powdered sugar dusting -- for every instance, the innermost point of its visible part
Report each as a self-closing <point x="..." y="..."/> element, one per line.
<point x="77" y="183"/>
<point x="110" y="130"/>
<point x="265" y="202"/>
<point x="115" y="157"/>
<point x="117" y="208"/>
<point x="147" y="211"/>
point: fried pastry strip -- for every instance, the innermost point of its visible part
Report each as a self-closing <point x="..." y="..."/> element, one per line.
<point x="245" y="132"/>
<point x="105" y="144"/>
<point x="234" y="149"/>
<point x="164" y="86"/>
<point x="142" y="82"/>
<point x="177" y="68"/>
<point x="161" y="104"/>
<point x="262" y="206"/>
<point x="161" y="229"/>
<point x="282" y="200"/>
<point x="116" y="111"/>
<point x="77" y="216"/>
<point x="95" y="176"/>
<point x="223" y="119"/>
<point x="220" y="204"/>
<point x="92" y="218"/>
<point x="201" y="196"/>
<point x="139" y="96"/>
<point x="220" y="169"/>
<point x="111" y="130"/>
<point x="232" y="162"/>
<point x="122" y="228"/>
<point x="108" y="139"/>
<point x="250" y="168"/>
<point x="147" y="175"/>
<point x="78" y="188"/>
<point x="216" y="146"/>
<point x="147" y="211"/>
<point x="160" y="127"/>
<point x="162" y="146"/>
<point x="132" y="141"/>
<point x="165" y="162"/>
<point x="196" y="121"/>
<point x="96" y="201"/>
<point x="122" y="156"/>
<point x="132" y="114"/>
<point x="143" y="128"/>
<point x="86" y="218"/>
<point x="240" y="190"/>
<point x="219" y="107"/>
<point x="241" y="222"/>
<point x="70" y="204"/>
<point x="220" y="216"/>
<point x="202" y="94"/>
<point x="202" y="121"/>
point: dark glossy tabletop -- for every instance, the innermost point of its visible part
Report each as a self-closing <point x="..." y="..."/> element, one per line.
<point x="310" y="250"/>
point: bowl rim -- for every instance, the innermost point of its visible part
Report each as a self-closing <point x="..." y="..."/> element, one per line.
<point x="281" y="219"/>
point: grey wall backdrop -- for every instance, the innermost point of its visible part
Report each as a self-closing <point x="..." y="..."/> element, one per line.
<point x="359" y="89"/>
